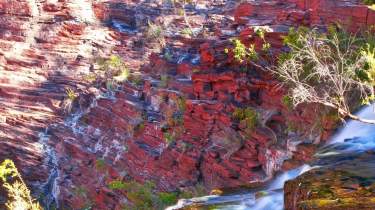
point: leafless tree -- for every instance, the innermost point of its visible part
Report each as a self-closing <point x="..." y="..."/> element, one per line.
<point x="326" y="70"/>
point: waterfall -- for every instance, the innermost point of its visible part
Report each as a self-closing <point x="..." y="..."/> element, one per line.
<point x="50" y="189"/>
<point x="353" y="137"/>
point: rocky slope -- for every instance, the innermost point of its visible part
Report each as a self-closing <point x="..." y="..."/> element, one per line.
<point x="174" y="125"/>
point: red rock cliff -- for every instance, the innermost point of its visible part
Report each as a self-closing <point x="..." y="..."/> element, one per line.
<point x="48" y="46"/>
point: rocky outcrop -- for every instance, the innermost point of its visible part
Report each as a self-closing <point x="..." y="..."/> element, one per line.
<point x="340" y="185"/>
<point x="174" y="125"/>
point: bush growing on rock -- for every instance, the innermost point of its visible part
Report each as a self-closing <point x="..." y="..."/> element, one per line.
<point x="335" y="69"/>
<point x="19" y="196"/>
<point x="248" y="116"/>
<point x="70" y="97"/>
<point x="111" y="71"/>
<point x="155" y="33"/>
<point x="143" y="196"/>
<point x="369" y="2"/>
<point x="248" y="54"/>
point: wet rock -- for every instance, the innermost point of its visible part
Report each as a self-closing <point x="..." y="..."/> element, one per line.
<point x="345" y="184"/>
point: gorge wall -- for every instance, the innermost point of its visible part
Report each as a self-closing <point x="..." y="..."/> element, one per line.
<point x="174" y="126"/>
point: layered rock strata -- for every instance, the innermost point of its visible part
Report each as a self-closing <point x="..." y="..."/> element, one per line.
<point x="175" y="126"/>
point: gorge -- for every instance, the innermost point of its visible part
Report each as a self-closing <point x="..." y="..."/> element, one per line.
<point x="179" y="116"/>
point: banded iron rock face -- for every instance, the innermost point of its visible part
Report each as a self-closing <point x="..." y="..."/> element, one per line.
<point x="49" y="46"/>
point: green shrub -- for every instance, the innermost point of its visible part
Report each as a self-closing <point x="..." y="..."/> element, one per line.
<point x="144" y="196"/>
<point x="117" y="185"/>
<point x="164" y="80"/>
<point x="155" y="32"/>
<point x="18" y="195"/>
<point x="181" y="104"/>
<point x="187" y="32"/>
<point x="169" y="137"/>
<point x="70" y="94"/>
<point x="368" y="2"/>
<point x="168" y="198"/>
<point x="112" y="71"/>
<point x="100" y="164"/>
<point x="242" y="53"/>
<point x="247" y="115"/>
<point x="287" y="101"/>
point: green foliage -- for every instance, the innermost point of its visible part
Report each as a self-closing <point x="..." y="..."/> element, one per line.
<point x="241" y="53"/>
<point x="187" y="32"/>
<point x="368" y="100"/>
<point x="136" y="79"/>
<point x="117" y="185"/>
<point x="111" y="71"/>
<point x="164" y="80"/>
<point x="123" y="75"/>
<point x="169" y="137"/>
<point x="247" y="115"/>
<point x="287" y="101"/>
<point x="261" y="31"/>
<point x="197" y="191"/>
<point x="100" y="164"/>
<point x="155" y="32"/>
<point x="80" y="191"/>
<point x="18" y="195"/>
<point x="144" y="196"/>
<point x="368" y="2"/>
<point x="70" y="94"/>
<point x="266" y="47"/>
<point x="293" y="37"/>
<point x="181" y="104"/>
<point x="368" y="52"/>
<point x="168" y="198"/>
<point x="139" y="127"/>
<point x="335" y="68"/>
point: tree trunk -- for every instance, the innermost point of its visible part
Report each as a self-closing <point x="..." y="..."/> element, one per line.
<point x="354" y="117"/>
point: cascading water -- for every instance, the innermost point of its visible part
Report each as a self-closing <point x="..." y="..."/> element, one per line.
<point x="50" y="189"/>
<point x="352" y="139"/>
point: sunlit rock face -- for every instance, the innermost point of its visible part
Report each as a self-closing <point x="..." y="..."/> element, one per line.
<point x="69" y="159"/>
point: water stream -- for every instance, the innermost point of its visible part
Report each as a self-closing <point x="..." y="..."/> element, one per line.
<point x="353" y="138"/>
<point x="49" y="190"/>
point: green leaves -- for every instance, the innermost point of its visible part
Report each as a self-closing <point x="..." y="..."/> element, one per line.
<point x="248" y="115"/>
<point x="18" y="195"/>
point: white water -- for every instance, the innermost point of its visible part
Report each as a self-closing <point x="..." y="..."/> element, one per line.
<point x="49" y="190"/>
<point x="353" y="137"/>
<point x="353" y="129"/>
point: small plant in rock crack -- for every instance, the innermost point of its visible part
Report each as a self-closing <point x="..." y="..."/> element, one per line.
<point x="80" y="191"/>
<point x="70" y="97"/>
<point x="242" y="53"/>
<point x="18" y="195"/>
<point x="181" y="104"/>
<point x="140" y="127"/>
<point x="156" y="33"/>
<point x="164" y="80"/>
<point x="261" y="32"/>
<point x="182" y="12"/>
<point x="246" y="116"/>
<point x="111" y="71"/>
<point x="169" y="137"/>
<point x="136" y="79"/>
<point x="100" y="164"/>
<point x="187" y="32"/>
<point x="168" y="56"/>
<point x="248" y="54"/>
<point x="287" y="101"/>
